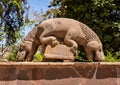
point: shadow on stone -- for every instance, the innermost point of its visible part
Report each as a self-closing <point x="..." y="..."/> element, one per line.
<point x="107" y="72"/>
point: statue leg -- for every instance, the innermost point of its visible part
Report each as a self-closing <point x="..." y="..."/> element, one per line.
<point x="42" y="49"/>
<point x="70" y="42"/>
<point x="31" y="50"/>
<point x="30" y="54"/>
<point x="29" y="57"/>
<point x="89" y="53"/>
<point x="46" y="38"/>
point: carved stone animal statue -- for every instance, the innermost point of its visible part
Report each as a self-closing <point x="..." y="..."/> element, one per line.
<point x="70" y="31"/>
<point x="29" y="46"/>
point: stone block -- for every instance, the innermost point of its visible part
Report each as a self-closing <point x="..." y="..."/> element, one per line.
<point x="58" y="52"/>
<point x="60" y="73"/>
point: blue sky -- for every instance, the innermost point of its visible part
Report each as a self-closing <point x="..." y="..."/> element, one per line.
<point x="39" y="4"/>
<point x="36" y="5"/>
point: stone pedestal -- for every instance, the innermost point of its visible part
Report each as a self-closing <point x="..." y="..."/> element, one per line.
<point x="60" y="51"/>
<point x="60" y="73"/>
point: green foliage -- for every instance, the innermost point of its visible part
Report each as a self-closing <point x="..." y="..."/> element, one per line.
<point x="82" y="59"/>
<point x="103" y="16"/>
<point x="38" y="57"/>
<point x="13" y="53"/>
<point x="12" y="14"/>
<point x="110" y="58"/>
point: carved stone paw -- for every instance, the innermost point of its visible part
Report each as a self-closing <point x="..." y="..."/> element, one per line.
<point x="74" y="50"/>
<point x="55" y="42"/>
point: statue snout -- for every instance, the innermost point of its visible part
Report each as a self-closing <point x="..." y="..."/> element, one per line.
<point x="21" y="55"/>
<point x="99" y="56"/>
<point x="94" y="49"/>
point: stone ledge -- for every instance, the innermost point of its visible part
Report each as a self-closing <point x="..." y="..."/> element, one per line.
<point x="56" y="63"/>
<point x="59" y="73"/>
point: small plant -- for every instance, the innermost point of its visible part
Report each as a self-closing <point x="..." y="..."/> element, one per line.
<point x="13" y="54"/>
<point x="110" y="58"/>
<point x="38" y="57"/>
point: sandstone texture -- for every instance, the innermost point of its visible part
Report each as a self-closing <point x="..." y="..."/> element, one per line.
<point x="58" y="52"/>
<point x="58" y="73"/>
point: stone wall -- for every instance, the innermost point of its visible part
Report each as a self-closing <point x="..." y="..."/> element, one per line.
<point x="58" y="73"/>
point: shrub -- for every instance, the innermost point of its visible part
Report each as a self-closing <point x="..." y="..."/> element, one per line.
<point x="110" y="58"/>
<point x="13" y="53"/>
<point x="38" y="57"/>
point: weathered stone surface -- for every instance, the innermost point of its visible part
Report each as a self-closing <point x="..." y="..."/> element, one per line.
<point x="58" y="52"/>
<point x="46" y="73"/>
<point x="71" y="32"/>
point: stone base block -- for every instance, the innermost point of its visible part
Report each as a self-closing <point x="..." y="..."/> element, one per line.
<point x="59" y="73"/>
<point x="58" y="52"/>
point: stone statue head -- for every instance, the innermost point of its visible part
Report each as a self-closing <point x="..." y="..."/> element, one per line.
<point x="94" y="51"/>
<point x="21" y="53"/>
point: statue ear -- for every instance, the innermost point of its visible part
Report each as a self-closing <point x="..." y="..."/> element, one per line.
<point x="93" y="45"/>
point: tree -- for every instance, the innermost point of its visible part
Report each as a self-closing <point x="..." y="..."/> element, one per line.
<point x="103" y="16"/>
<point x="12" y="13"/>
<point x="37" y="16"/>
